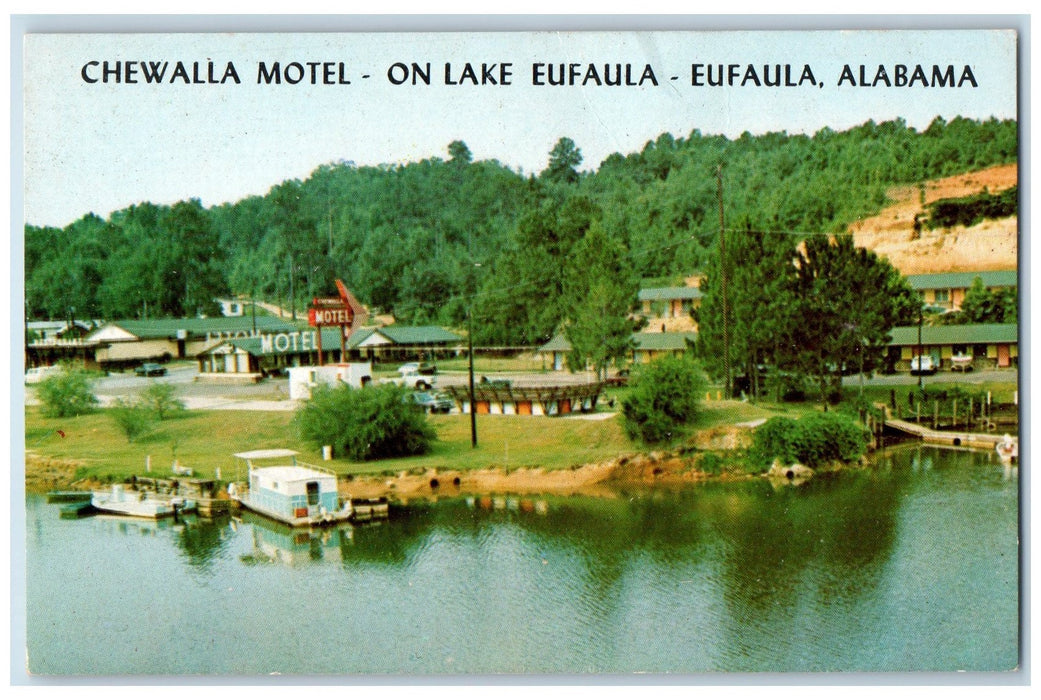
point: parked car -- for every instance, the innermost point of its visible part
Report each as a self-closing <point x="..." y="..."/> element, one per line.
<point x="150" y="369"/>
<point x="923" y="364"/>
<point x="417" y="368"/>
<point x="432" y="403"/>
<point x="412" y="380"/>
<point x="35" y="375"/>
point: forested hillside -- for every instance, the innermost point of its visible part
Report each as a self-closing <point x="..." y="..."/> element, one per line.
<point x="432" y="240"/>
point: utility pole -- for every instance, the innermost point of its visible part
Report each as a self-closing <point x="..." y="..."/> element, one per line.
<point x="723" y="283"/>
<point x="292" y="291"/>
<point x="470" y="344"/>
<point x="921" y="389"/>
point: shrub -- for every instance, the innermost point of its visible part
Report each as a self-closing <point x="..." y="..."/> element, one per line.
<point x="665" y="398"/>
<point x="67" y="394"/>
<point x="161" y="399"/>
<point x="369" y="423"/>
<point x="774" y="439"/>
<point x="813" y="440"/>
<point x="711" y="463"/>
<point x="132" y="418"/>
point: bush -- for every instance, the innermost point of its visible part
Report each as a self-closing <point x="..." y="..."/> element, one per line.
<point x="161" y="399"/>
<point x="132" y="418"/>
<point x="711" y="463"/>
<point x="813" y="440"/>
<point x="665" y="398"/>
<point x="373" y="422"/>
<point x="67" y="394"/>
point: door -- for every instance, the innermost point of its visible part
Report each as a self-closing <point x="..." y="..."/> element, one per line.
<point x="1003" y="356"/>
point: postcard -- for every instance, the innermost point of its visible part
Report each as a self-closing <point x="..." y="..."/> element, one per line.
<point x="486" y="355"/>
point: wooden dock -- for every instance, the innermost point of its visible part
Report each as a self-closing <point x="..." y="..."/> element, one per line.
<point x="944" y="437"/>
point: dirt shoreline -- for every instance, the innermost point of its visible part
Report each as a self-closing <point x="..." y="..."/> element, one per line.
<point x="656" y="468"/>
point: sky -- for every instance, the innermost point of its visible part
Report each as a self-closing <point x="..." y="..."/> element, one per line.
<point x="105" y="145"/>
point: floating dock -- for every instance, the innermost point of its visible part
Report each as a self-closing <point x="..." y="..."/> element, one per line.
<point x="74" y="511"/>
<point x="69" y="496"/>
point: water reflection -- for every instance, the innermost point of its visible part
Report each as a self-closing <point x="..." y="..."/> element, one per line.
<point x="276" y="543"/>
<point x="908" y="564"/>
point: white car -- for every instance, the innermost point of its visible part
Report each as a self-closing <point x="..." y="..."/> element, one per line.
<point x="923" y="364"/>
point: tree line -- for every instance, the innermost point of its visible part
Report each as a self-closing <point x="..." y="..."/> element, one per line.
<point x="457" y="241"/>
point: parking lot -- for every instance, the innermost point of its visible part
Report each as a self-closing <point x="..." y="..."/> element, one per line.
<point x="273" y="393"/>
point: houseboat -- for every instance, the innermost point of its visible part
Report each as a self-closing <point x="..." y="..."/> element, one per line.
<point x="285" y="489"/>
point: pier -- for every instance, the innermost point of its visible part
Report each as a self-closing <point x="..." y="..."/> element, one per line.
<point x="933" y="436"/>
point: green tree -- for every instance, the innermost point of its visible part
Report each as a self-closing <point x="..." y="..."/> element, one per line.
<point x="373" y="422"/>
<point x="664" y="400"/>
<point x="564" y="160"/>
<point x="459" y="153"/>
<point x="759" y="269"/>
<point x="845" y="301"/>
<point x="600" y="293"/>
<point x="160" y="399"/>
<point x="67" y="394"/>
<point x="982" y="305"/>
<point x="521" y="301"/>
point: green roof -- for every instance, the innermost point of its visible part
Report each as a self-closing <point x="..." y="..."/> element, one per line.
<point x="406" y="335"/>
<point x="419" y="335"/>
<point x="641" y="341"/>
<point x="557" y="343"/>
<point x="969" y="334"/>
<point x="964" y="280"/>
<point x="663" y="341"/>
<point x="195" y="327"/>
<point x="669" y="293"/>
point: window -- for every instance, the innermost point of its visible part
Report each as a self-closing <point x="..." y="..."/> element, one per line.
<point x="312" y="493"/>
<point x="943" y="296"/>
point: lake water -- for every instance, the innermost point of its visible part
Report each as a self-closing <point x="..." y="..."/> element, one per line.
<point x="911" y="565"/>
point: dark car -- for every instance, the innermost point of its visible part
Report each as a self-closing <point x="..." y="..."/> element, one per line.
<point x="432" y="403"/>
<point x="150" y="369"/>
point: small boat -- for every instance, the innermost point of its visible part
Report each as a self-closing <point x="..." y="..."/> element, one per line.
<point x="68" y="496"/>
<point x="139" y="504"/>
<point x="1007" y="449"/>
<point x="290" y="491"/>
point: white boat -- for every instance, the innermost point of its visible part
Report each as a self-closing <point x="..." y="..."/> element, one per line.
<point x="139" y="504"/>
<point x="285" y="489"/>
<point x="1007" y="449"/>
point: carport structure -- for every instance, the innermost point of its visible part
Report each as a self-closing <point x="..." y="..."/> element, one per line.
<point x="502" y="398"/>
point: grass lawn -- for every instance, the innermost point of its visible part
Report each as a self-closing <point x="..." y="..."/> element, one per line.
<point x="206" y="440"/>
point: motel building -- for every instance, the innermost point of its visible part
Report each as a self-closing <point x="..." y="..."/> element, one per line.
<point x="990" y="345"/>
<point x="645" y="347"/>
<point x="124" y="344"/>
<point x="251" y="358"/>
